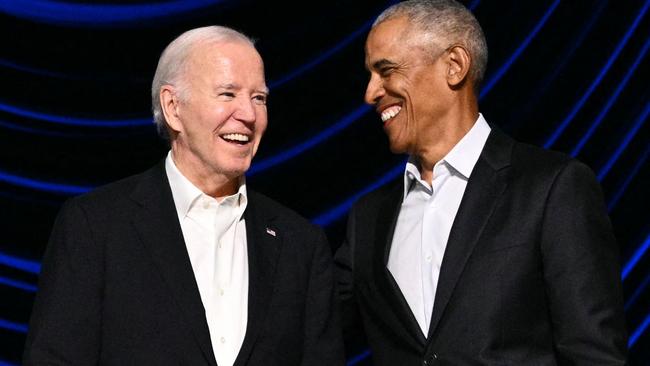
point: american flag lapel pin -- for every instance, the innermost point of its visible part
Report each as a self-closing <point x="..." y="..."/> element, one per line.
<point x="270" y="231"/>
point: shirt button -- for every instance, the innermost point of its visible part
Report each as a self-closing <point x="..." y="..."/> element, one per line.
<point x="223" y="340"/>
<point x="428" y="258"/>
<point x="221" y="291"/>
<point x="206" y="205"/>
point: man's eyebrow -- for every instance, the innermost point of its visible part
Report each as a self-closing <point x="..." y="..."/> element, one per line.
<point x="227" y="86"/>
<point x="382" y="63"/>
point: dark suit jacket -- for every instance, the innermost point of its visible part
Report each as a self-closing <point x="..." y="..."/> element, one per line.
<point x="530" y="275"/>
<point x="117" y="286"/>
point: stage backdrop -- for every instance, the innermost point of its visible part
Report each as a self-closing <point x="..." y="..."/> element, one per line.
<point x="75" y="113"/>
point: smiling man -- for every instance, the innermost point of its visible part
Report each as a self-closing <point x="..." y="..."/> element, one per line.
<point x="182" y="264"/>
<point x="487" y="251"/>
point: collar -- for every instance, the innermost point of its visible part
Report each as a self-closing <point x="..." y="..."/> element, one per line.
<point x="186" y="194"/>
<point x="461" y="158"/>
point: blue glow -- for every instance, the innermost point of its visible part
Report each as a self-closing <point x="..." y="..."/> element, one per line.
<point x="474" y="4"/>
<point x="630" y="135"/>
<point x="632" y="299"/>
<point x="635" y="170"/>
<point x="16" y="327"/>
<point x="269" y="162"/>
<point x="564" y="59"/>
<point x="32" y="70"/>
<point x="38" y="131"/>
<point x="576" y="108"/>
<point x="17" y="284"/>
<point x="358" y="358"/>
<point x="5" y="363"/>
<point x="515" y="55"/>
<point x="98" y="15"/>
<point x="73" y="121"/>
<point x="339" y="210"/>
<point x="639" y="331"/>
<point x="20" y="263"/>
<point x="612" y="99"/>
<point x="636" y="257"/>
<point x="43" y="186"/>
<point x="322" y="57"/>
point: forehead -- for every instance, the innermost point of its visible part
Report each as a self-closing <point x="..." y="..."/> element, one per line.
<point x="231" y="59"/>
<point x="388" y="39"/>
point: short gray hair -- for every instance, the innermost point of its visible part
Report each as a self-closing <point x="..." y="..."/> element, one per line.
<point x="446" y="19"/>
<point x="173" y="61"/>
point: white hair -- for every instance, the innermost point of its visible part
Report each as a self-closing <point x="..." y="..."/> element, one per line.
<point x="173" y="62"/>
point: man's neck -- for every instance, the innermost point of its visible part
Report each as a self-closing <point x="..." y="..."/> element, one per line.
<point x="214" y="184"/>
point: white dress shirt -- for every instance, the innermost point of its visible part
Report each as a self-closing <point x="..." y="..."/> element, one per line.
<point x="215" y="237"/>
<point x="425" y="219"/>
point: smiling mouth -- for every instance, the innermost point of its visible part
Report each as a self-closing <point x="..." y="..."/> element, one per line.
<point x="390" y="113"/>
<point x="236" y="138"/>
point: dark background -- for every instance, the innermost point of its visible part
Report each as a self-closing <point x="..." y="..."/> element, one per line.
<point x="75" y="113"/>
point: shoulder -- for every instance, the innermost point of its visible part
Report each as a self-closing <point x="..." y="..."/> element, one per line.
<point x="110" y="195"/>
<point x="540" y="164"/>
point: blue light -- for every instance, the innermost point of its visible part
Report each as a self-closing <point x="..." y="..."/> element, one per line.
<point x="616" y="196"/>
<point x="639" y="290"/>
<point x="17" y="284"/>
<point x="339" y="210"/>
<point x="5" y="363"/>
<point x="20" y="263"/>
<point x="639" y="331"/>
<point x="43" y="186"/>
<point x="612" y="99"/>
<point x="551" y="140"/>
<point x="269" y="162"/>
<point x="358" y="358"/>
<point x="65" y="120"/>
<point x="16" y="327"/>
<point x="322" y="57"/>
<point x="515" y="55"/>
<point x="98" y="15"/>
<point x="630" y="135"/>
<point x="635" y="258"/>
<point x="473" y="5"/>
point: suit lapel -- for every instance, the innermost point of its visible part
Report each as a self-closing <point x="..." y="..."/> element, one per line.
<point x="156" y="223"/>
<point x="486" y="184"/>
<point x="264" y="243"/>
<point x="386" y="221"/>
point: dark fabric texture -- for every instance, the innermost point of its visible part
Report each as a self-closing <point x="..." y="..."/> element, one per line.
<point x="117" y="286"/>
<point x="530" y="275"/>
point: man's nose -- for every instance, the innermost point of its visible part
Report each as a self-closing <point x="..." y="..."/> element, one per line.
<point x="374" y="90"/>
<point x="245" y="110"/>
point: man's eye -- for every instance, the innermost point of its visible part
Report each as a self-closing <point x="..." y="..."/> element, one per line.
<point x="260" y="99"/>
<point x="227" y="94"/>
<point x="385" y="71"/>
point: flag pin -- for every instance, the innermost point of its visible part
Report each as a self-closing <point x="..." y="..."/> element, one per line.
<point x="270" y="232"/>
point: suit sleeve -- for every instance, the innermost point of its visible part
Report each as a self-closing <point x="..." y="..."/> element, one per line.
<point x="344" y="265"/>
<point x="323" y="344"/>
<point x="582" y="272"/>
<point x="66" y="317"/>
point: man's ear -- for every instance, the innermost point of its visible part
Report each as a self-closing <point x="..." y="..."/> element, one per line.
<point x="170" y="103"/>
<point x="459" y="62"/>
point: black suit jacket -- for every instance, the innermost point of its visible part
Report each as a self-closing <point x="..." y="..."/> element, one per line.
<point x="530" y="275"/>
<point x="117" y="286"/>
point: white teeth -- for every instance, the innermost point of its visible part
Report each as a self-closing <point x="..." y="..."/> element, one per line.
<point x="236" y="137"/>
<point x="389" y="113"/>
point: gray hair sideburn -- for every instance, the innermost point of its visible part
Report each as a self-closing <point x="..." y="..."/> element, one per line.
<point x="448" y="20"/>
<point x="173" y="62"/>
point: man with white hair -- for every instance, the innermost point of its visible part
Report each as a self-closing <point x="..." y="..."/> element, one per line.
<point x="486" y="251"/>
<point x="182" y="264"/>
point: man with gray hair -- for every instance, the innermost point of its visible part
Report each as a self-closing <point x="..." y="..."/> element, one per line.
<point x="486" y="251"/>
<point x="183" y="264"/>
